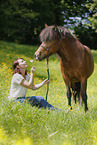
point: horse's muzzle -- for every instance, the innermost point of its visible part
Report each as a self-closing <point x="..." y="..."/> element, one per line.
<point x="37" y="56"/>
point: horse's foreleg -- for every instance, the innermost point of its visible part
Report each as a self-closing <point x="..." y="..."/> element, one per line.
<point x="78" y="96"/>
<point x="74" y="95"/>
<point x="69" y="95"/>
<point x="83" y="93"/>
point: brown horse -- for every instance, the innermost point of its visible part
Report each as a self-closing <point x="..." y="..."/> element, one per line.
<point x="76" y="60"/>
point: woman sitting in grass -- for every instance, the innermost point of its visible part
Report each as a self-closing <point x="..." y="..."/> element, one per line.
<point x="22" y="81"/>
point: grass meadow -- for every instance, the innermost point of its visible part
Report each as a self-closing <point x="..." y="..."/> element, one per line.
<point x="21" y="124"/>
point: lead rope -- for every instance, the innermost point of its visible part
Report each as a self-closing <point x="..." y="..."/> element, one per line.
<point x="48" y="67"/>
<point x="48" y="77"/>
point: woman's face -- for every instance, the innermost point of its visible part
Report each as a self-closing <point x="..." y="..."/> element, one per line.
<point x="22" y="64"/>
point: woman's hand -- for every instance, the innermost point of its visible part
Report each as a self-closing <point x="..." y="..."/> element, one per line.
<point x="33" y="69"/>
<point x="46" y="81"/>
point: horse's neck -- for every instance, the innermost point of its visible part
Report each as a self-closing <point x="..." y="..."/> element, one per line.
<point x="67" y="49"/>
<point x="62" y="55"/>
<point x="63" y="52"/>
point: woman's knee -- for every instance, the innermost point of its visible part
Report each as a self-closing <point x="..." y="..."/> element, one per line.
<point x="39" y="98"/>
<point x="35" y="99"/>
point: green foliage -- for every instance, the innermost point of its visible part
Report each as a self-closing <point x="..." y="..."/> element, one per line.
<point x="74" y="9"/>
<point x="17" y="20"/>
<point x="93" y="18"/>
<point x="22" y="21"/>
<point x="21" y="124"/>
<point x="86" y="35"/>
<point x="81" y="17"/>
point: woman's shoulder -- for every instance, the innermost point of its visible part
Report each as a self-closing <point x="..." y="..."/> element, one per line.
<point x="17" y="78"/>
<point x="16" y="75"/>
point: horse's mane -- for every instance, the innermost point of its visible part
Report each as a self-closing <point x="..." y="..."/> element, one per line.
<point x="49" y="33"/>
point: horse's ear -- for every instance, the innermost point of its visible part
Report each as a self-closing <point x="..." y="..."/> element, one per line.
<point x="46" y="25"/>
<point x="55" y="28"/>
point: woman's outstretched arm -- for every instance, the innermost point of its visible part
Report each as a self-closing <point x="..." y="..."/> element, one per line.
<point x="30" y="84"/>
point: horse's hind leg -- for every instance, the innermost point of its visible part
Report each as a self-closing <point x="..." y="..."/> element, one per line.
<point x="83" y="93"/>
<point x="69" y="95"/>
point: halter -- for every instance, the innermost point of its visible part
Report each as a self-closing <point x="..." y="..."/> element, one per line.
<point x="48" y="66"/>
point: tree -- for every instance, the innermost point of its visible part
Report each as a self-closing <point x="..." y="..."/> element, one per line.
<point x="80" y="16"/>
<point x="75" y="11"/>
<point x="86" y="35"/>
<point x="93" y="18"/>
<point x="22" y="20"/>
<point x="16" y="19"/>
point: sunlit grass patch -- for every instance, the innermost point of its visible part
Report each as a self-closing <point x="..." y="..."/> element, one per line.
<point x="3" y="136"/>
<point x="94" y="132"/>
<point x="5" y="139"/>
<point x="26" y="141"/>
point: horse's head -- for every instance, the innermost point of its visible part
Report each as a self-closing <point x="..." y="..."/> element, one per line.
<point x="46" y="49"/>
<point x="50" y="43"/>
<point x="50" y="38"/>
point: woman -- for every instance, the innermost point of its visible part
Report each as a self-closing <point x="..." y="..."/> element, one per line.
<point x="22" y="81"/>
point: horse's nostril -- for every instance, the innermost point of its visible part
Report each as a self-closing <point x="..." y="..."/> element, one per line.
<point x="37" y="56"/>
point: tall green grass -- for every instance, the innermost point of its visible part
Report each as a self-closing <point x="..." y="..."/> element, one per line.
<point x="21" y="124"/>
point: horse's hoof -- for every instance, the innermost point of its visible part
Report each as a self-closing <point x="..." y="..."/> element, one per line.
<point x="69" y="109"/>
<point x="86" y="109"/>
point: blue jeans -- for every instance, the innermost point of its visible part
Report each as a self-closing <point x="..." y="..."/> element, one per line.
<point x="38" y="101"/>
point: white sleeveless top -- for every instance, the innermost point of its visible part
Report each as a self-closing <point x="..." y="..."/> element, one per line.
<point x="17" y="90"/>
